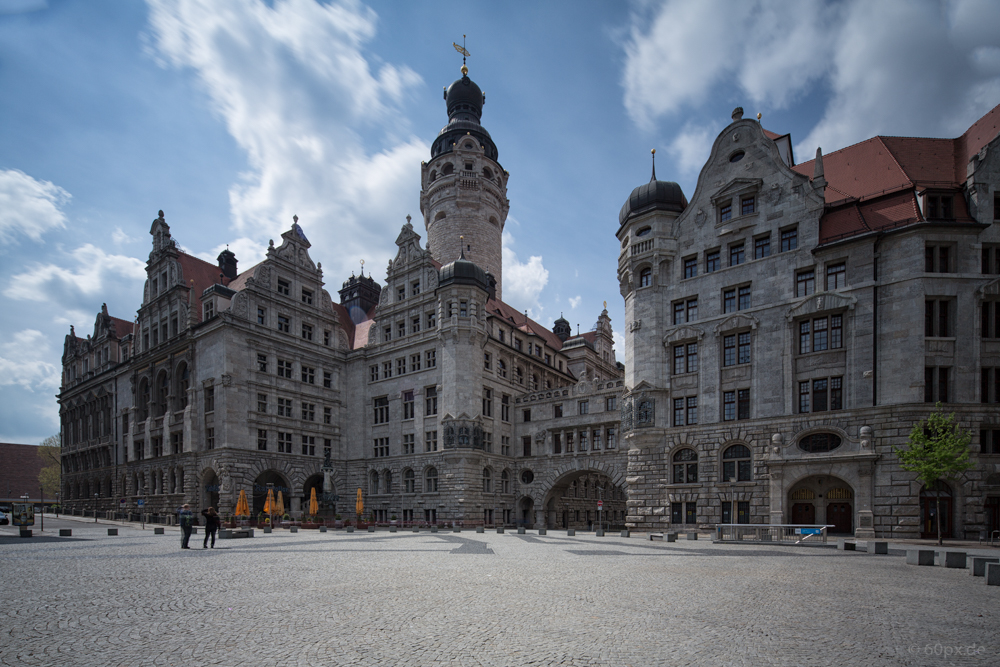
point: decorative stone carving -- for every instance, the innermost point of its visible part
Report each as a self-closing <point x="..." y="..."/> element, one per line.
<point x="241" y="305"/>
<point x="263" y="276"/>
<point x="227" y="380"/>
<point x="645" y="412"/>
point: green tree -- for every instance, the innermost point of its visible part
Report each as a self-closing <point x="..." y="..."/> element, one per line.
<point x="50" y="476"/>
<point x="938" y="449"/>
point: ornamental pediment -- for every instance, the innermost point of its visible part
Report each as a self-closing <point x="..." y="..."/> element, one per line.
<point x="737" y="321"/>
<point x="735" y="187"/>
<point x="683" y="333"/>
<point x="821" y="302"/>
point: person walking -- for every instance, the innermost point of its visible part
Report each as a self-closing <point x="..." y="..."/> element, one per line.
<point x="186" y="519"/>
<point x="212" y="523"/>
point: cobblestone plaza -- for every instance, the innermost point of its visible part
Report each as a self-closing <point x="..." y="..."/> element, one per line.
<point x="476" y="599"/>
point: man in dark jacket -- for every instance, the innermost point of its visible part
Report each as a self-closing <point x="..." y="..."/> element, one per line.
<point x="186" y="519"/>
<point x="211" y="525"/>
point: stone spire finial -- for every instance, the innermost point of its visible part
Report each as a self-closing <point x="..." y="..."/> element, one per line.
<point x="818" y="169"/>
<point x="653" y="153"/>
<point x="738" y="114"/>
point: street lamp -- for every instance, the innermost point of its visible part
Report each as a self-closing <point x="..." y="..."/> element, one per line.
<point x="96" y="496"/>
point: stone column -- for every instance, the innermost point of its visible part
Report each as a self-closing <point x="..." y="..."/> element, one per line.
<point x="539" y="518"/>
<point x="776" y="499"/>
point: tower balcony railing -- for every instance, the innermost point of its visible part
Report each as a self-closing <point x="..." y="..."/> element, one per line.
<point x="642" y="246"/>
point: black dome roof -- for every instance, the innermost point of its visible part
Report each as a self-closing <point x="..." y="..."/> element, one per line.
<point x="465" y="97"/>
<point x="463" y="272"/>
<point x="653" y="196"/>
<point x="465" y="110"/>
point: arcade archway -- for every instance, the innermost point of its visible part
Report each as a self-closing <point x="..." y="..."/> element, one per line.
<point x="260" y="487"/>
<point x="581" y="498"/>
<point x="822" y="500"/>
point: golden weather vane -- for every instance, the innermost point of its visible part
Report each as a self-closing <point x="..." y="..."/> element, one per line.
<point x="465" y="54"/>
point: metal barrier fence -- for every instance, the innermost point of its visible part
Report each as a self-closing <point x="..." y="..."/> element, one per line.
<point x="787" y="533"/>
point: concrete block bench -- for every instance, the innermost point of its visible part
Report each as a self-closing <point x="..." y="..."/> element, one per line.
<point x="480" y="529"/>
<point x="322" y="529"/>
<point x="416" y="530"/>
<point x="294" y="529"/>
<point x="235" y="533"/>
<point x="542" y="531"/>
<point x="655" y="536"/>
<point x="977" y="564"/>
<point x="65" y="532"/>
<point x="456" y="529"/>
<point x="392" y="529"/>
<point x="520" y="530"/>
<point x="267" y="530"/>
<point x="954" y="559"/>
<point x="157" y="531"/>
<point x="599" y="532"/>
<point x="672" y="537"/>
<point x="692" y="536"/>
<point x="625" y="533"/>
<point x="993" y="574"/>
<point x="112" y="531"/>
<point x="878" y="548"/>
<point x="500" y="530"/>
<point x="371" y="529"/>
<point x="846" y="545"/>
<point x="920" y="557"/>
<point x="570" y="532"/>
<point x="434" y="529"/>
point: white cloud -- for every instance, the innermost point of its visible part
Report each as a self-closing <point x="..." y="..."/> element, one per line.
<point x="888" y="67"/>
<point x="317" y="121"/>
<point x="25" y="362"/>
<point x="120" y="237"/>
<point x="523" y="282"/>
<point x="248" y="252"/>
<point x="574" y="301"/>
<point x="691" y="147"/>
<point x="87" y="271"/>
<point x="29" y="207"/>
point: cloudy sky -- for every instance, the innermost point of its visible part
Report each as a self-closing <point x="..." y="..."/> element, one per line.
<point x="234" y="116"/>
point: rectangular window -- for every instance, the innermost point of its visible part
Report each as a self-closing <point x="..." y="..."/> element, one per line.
<point x="991" y="260"/>
<point x="990" y="319"/>
<point x="747" y="205"/>
<point x="487" y="402"/>
<point x="743" y="404"/>
<point x="307" y="296"/>
<point x="386" y="369"/>
<point x="284" y="369"/>
<point x="430" y="441"/>
<point x="283" y="286"/>
<point x="686" y="358"/>
<point x="381" y="447"/>
<point x="505" y="408"/>
<point x="373" y="373"/>
<point x="526" y="415"/>
<point x="401" y="293"/>
<point x="261" y="315"/>
<point x="209" y="310"/>
<point x="408" y="411"/>
<point x="431" y="358"/>
<point x="821" y="394"/>
<point x="728" y="406"/>
<point x="805" y="283"/>
<point x="409" y="446"/>
<point x="415" y="288"/>
<point x="678" y="312"/>
<point x="789" y="239"/>
<point x="327" y="380"/>
<point x="380" y="408"/>
<point x="526" y="445"/>
<point x="487" y="361"/>
<point x="430" y="401"/>
<point x="596" y="439"/>
<point x="209" y="399"/>
<point x="487" y="442"/>
<point x="836" y="276"/>
<point x="463" y="309"/>
<point x="401" y="366"/>
<point x="678" y="412"/>
<point x="937" y="258"/>
<point x="690" y="267"/>
<point x="744" y="302"/>
<point x="610" y="403"/>
<point x="284" y="407"/>
<point x="262" y="403"/>
<point x="326" y="337"/>
<point x="327" y="415"/>
<point x="284" y="442"/>
<point x="309" y="412"/>
<point x="431" y="320"/>
<point x="284" y="324"/>
<point x="308" y="375"/>
<point x="387" y="334"/>
<point x="736" y="254"/>
<point x="692" y="409"/>
<point x="261" y="440"/>
<point x="307" y="332"/>
<point x="309" y="445"/>
<point x="729" y="300"/>
<point x="989" y="441"/>
<point x="712" y="261"/>
<point x="584" y="407"/>
<point x="400" y="329"/>
<point x="936" y="318"/>
<point x="611" y="438"/>
<point x="414" y="362"/>
<point x="936" y="384"/>
<point x="762" y="247"/>
<point x="725" y="212"/>
<point x="505" y="447"/>
<point x="557" y="443"/>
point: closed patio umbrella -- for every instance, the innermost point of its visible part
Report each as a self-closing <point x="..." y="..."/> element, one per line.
<point x="280" y="511"/>
<point x="359" y="506"/>
<point x="313" y="505"/>
<point x="269" y="502"/>
<point x="242" y="506"/>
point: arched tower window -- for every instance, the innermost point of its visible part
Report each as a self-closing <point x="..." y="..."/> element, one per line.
<point x="686" y="467"/>
<point x="431" y="480"/>
<point x="737" y="464"/>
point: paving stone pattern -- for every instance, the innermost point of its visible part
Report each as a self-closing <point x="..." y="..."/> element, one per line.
<point x="428" y="599"/>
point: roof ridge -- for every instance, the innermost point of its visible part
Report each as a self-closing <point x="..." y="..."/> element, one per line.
<point x="895" y="159"/>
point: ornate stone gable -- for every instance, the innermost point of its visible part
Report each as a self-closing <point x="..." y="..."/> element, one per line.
<point x="818" y="303"/>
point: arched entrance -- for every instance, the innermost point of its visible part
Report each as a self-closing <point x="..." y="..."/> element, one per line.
<point x="260" y="486"/>
<point x="822" y="500"/>
<point x="929" y="497"/>
<point x="581" y="498"/>
<point x="209" y="489"/>
<point x="526" y="505"/>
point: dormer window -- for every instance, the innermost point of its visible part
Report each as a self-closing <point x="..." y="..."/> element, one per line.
<point x="283" y="287"/>
<point x="939" y="207"/>
<point x="209" y="310"/>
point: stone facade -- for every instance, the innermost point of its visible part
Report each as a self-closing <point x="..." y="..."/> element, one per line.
<point x="788" y="326"/>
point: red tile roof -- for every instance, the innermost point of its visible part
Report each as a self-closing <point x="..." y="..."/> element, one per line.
<point x="199" y="275"/>
<point x="122" y="327"/>
<point x="521" y="321"/>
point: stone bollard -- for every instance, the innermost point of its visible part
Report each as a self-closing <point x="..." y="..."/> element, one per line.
<point x="456" y="529"/>
<point x="520" y="530"/>
<point x="371" y="529"/>
<point x="194" y="530"/>
<point x="294" y="529"/>
<point x="571" y="532"/>
<point x="434" y="529"/>
<point x="599" y="532"/>
<point x="671" y="537"/>
<point x="977" y="565"/>
<point x="919" y="556"/>
<point x="322" y="529"/>
<point x="542" y="531"/>
<point x="157" y="531"/>
<point x="65" y="532"/>
<point x="993" y="574"/>
<point x="480" y="529"/>
<point x="350" y="529"/>
<point x="846" y="545"/>
<point x="392" y="529"/>
<point x="112" y="531"/>
<point x="267" y="530"/>
<point x="692" y="536"/>
<point x="878" y="548"/>
<point x="499" y="530"/>
<point x="625" y="533"/>
<point x="954" y="559"/>
<point x="416" y="530"/>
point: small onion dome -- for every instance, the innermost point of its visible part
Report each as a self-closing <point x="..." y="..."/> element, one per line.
<point x="653" y="196"/>
<point x="463" y="272"/>
<point x="465" y="99"/>
<point x="562" y="329"/>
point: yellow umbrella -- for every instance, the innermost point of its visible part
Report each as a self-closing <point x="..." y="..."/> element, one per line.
<point x="280" y="511"/>
<point x="313" y="505"/>
<point x="269" y="502"/>
<point x="359" y="506"/>
<point x="242" y="507"/>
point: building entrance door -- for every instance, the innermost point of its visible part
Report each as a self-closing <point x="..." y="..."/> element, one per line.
<point x="840" y="516"/>
<point x="992" y="507"/>
<point x="804" y="513"/>
<point x="928" y="511"/>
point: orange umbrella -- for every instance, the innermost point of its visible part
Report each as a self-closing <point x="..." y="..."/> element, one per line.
<point x="280" y="511"/>
<point x="269" y="502"/>
<point x="359" y="506"/>
<point x="242" y="507"/>
<point x="313" y="505"/>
